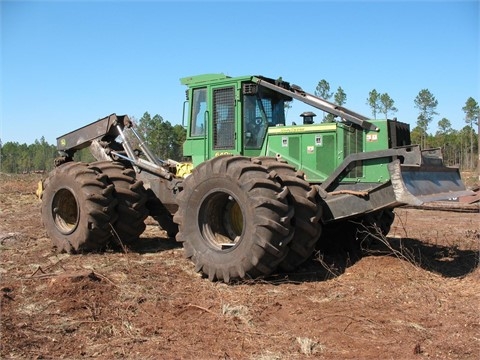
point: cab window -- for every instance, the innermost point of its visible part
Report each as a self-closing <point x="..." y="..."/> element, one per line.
<point x="199" y="109"/>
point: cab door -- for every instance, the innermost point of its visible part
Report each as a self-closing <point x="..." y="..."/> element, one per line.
<point x="223" y="124"/>
<point x="196" y="144"/>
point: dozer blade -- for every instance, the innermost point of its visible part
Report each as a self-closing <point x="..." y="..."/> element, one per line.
<point x="417" y="184"/>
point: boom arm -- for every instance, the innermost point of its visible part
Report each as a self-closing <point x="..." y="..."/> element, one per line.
<point x="297" y="93"/>
<point x="83" y="137"/>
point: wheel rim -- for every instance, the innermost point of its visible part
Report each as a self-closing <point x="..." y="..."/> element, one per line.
<point x="221" y="220"/>
<point x="65" y="211"/>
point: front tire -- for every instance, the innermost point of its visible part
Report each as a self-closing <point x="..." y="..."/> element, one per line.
<point x="307" y="209"/>
<point x="234" y="219"/>
<point x="78" y="208"/>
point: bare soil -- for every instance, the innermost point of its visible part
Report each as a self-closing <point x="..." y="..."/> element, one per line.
<point x="413" y="295"/>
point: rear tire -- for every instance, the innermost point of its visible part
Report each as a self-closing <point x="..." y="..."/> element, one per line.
<point x="385" y="220"/>
<point x="375" y="226"/>
<point x="78" y="208"/>
<point x="354" y="236"/>
<point x="307" y="210"/>
<point x="131" y="201"/>
<point x="234" y="219"/>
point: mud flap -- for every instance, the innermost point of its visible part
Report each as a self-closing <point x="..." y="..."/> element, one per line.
<point x="417" y="184"/>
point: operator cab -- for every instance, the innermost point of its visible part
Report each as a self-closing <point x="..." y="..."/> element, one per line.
<point x="226" y="115"/>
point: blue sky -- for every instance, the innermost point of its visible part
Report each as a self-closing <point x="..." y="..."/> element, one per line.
<point x="65" y="64"/>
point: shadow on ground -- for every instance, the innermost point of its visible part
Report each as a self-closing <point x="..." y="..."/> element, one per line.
<point x="448" y="261"/>
<point x="332" y="261"/>
<point x="147" y="245"/>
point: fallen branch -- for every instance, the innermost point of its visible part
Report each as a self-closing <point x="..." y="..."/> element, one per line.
<point x="446" y="206"/>
<point x="201" y="308"/>
<point x="58" y="275"/>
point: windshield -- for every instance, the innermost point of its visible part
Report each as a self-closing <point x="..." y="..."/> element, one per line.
<point x="261" y="110"/>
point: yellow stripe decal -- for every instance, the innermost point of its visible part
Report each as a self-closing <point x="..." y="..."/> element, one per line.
<point x="300" y="129"/>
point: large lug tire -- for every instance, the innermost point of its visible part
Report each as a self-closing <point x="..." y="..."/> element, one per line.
<point x="374" y="227"/>
<point x="131" y="201"/>
<point x="307" y="209"/>
<point x="384" y="220"/>
<point x="356" y="235"/>
<point x="234" y="219"/>
<point x="78" y="208"/>
<point x="340" y="238"/>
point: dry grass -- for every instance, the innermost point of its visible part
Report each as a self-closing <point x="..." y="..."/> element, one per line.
<point x="413" y="293"/>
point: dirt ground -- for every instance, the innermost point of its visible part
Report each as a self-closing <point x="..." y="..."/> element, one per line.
<point x="414" y="296"/>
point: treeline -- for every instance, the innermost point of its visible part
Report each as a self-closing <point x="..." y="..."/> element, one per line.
<point x="166" y="140"/>
<point x="456" y="145"/>
<point x="22" y="158"/>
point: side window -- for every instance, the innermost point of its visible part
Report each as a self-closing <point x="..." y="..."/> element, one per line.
<point x="254" y="112"/>
<point x="199" y="108"/>
<point x="224" y="118"/>
<point x="252" y="119"/>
